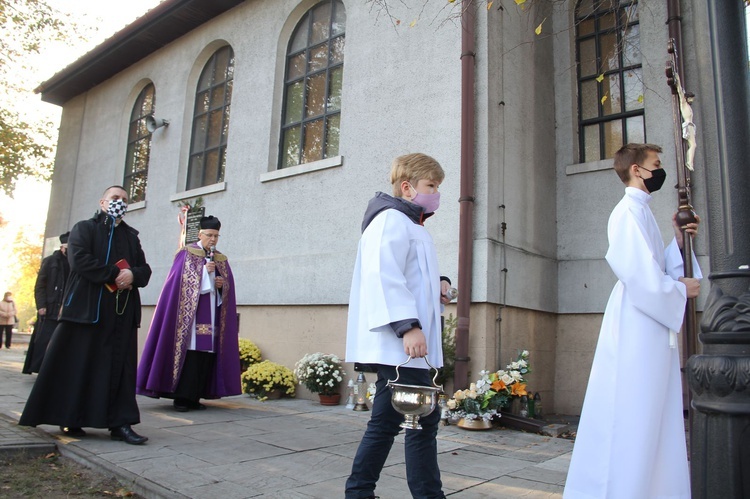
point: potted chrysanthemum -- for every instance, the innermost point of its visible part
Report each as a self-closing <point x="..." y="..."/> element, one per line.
<point x="268" y="380"/>
<point x="321" y="373"/>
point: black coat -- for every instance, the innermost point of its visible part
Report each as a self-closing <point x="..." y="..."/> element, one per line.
<point x="50" y="283"/>
<point x="87" y="377"/>
<point x="48" y="294"/>
<point x="91" y="266"/>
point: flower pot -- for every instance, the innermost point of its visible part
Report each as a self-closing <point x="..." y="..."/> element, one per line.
<point x="474" y="424"/>
<point x="274" y="394"/>
<point x="332" y="399"/>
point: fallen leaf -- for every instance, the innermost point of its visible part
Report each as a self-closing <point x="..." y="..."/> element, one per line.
<point x="538" y="29"/>
<point x="640" y="99"/>
<point x="600" y="78"/>
<point x="519" y="2"/>
<point x="413" y="23"/>
<point x="489" y="5"/>
<point x="398" y="21"/>
<point x="604" y="99"/>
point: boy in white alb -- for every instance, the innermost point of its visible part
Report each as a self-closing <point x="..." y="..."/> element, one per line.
<point x="394" y="312"/>
<point x="631" y="437"/>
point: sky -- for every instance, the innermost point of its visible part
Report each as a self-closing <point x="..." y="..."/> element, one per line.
<point x="27" y="212"/>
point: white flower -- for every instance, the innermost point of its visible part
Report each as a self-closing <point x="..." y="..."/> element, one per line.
<point x="452" y="404"/>
<point x="505" y="378"/>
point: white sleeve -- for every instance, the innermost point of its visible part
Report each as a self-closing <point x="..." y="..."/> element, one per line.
<point x="675" y="264"/>
<point x="648" y="288"/>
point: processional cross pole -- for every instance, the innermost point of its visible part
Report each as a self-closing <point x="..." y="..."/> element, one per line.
<point x="684" y="135"/>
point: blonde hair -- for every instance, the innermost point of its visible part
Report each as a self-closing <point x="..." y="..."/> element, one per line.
<point x="413" y="168"/>
<point x="632" y="154"/>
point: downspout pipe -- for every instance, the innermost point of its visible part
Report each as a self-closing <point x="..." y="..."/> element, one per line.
<point x="466" y="199"/>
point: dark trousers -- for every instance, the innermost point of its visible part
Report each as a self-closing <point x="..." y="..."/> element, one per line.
<point x="422" y="472"/>
<point x="8" y="329"/>
<point x="196" y="372"/>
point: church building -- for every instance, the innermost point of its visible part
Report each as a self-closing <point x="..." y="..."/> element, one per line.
<point x="282" y="117"/>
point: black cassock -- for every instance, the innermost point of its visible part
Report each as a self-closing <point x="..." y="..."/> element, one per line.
<point x="87" y="378"/>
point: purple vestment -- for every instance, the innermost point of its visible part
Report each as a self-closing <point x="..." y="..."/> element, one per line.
<point x="169" y="335"/>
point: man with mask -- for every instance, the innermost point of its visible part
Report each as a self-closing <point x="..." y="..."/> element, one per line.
<point x="88" y="375"/>
<point x="396" y="299"/>
<point x="48" y="292"/>
<point x="637" y="348"/>
<point x="192" y="349"/>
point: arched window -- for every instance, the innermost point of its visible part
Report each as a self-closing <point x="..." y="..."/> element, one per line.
<point x="139" y="146"/>
<point x="208" y="146"/>
<point x="312" y="86"/>
<point x="610" y="79"/>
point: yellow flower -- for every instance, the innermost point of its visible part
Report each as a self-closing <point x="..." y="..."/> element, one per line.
<point x="267" y="376"/>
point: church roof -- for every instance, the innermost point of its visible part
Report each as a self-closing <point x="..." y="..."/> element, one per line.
<point x="160" y="26"/>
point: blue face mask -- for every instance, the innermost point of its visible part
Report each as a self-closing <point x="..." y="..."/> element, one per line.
<point x="430" y="202"/>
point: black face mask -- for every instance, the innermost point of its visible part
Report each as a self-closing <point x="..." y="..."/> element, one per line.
<point x="658" y="176"/>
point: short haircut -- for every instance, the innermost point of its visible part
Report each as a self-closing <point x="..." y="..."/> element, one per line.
<point x="632" y="154"/>
<point x="413" y="168"/>
<point x="112" y="187"/>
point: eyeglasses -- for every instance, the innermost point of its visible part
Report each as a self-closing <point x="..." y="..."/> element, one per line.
<point x="210" y="236"/>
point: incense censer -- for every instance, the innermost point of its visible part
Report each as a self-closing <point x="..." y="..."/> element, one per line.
<point x="414" y="401"/>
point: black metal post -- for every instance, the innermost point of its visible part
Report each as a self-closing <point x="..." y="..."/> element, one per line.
<point x="719" y="378"/>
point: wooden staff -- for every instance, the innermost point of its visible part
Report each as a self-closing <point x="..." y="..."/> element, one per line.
<point x="684" y="132"/>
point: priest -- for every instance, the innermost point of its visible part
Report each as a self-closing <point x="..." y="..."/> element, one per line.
<point x="87" y="377"/>
<point x="48" y="294"/>
<point x="192" y="347"/>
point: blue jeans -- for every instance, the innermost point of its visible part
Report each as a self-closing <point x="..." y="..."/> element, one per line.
<point x="422" y="472"/>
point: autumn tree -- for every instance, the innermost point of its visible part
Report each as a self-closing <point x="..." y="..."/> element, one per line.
<point x="25" y="145"/>
<point x="24" y="268"/>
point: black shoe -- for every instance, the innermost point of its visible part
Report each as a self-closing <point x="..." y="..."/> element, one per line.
<point x="181" y="406"/>
<point x="196" y="406"/>
<point x="127" y="435"/>
<point x="73" y="432"/>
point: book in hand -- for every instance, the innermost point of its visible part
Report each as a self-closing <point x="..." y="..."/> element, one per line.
<point x="121" y="264"/>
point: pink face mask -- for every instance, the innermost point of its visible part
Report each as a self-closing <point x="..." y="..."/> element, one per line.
<point x="430" y="202"/>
